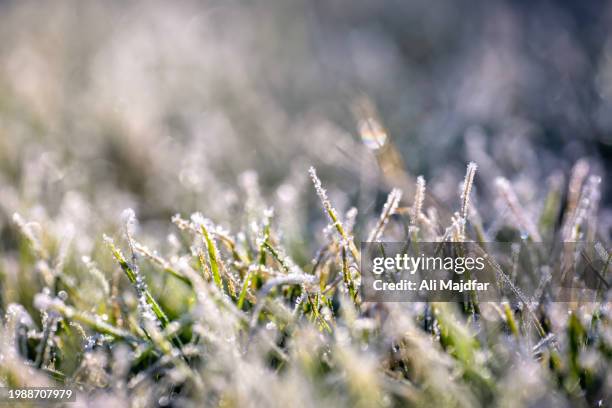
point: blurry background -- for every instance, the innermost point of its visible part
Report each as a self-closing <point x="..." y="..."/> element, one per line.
<point x="181" y="106"/>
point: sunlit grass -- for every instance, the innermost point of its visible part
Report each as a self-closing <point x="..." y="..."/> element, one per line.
<point x="243" y="323"/>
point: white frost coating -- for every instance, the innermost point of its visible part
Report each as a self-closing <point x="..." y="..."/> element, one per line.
<point x="128" y="217"/>
<point x="198" y="219"/>
<point x="390" y="207"/>
<point x="20" y="314"/>
<point x="508" y="195"/>
<point x="601" y="251"/>
<point x="419" y="198"/>
<point x="468" y="182"/>
<point x="43" y="301"/>
<point x="291" y="279"/>
<point x="331" y="212"/>
<point x="107" y="239"/>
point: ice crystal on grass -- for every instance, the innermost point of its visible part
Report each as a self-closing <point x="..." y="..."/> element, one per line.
<point x="372" y="133"/>
<point x="523" y="220"/>
<point x="128" y="217"/>
<point x="467" y="188"/>
<point x="331" y="212"/>
<point x="419" y="198"/>
<point x="388" y="210"/>
<point x="350" y="219"/>
<point x="97" y="274"/>
<point x="31" y="231"/>
<point x="148" y="307"/>
<point x="322" y="193"/>
<point x="468" y="182"/>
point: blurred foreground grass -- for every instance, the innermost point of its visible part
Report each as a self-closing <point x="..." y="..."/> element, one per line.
<point x="227" y="318"/>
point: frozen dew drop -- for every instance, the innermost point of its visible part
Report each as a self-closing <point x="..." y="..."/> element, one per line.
<point x="372" y="133"/>
<point x="62" y="295"/>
